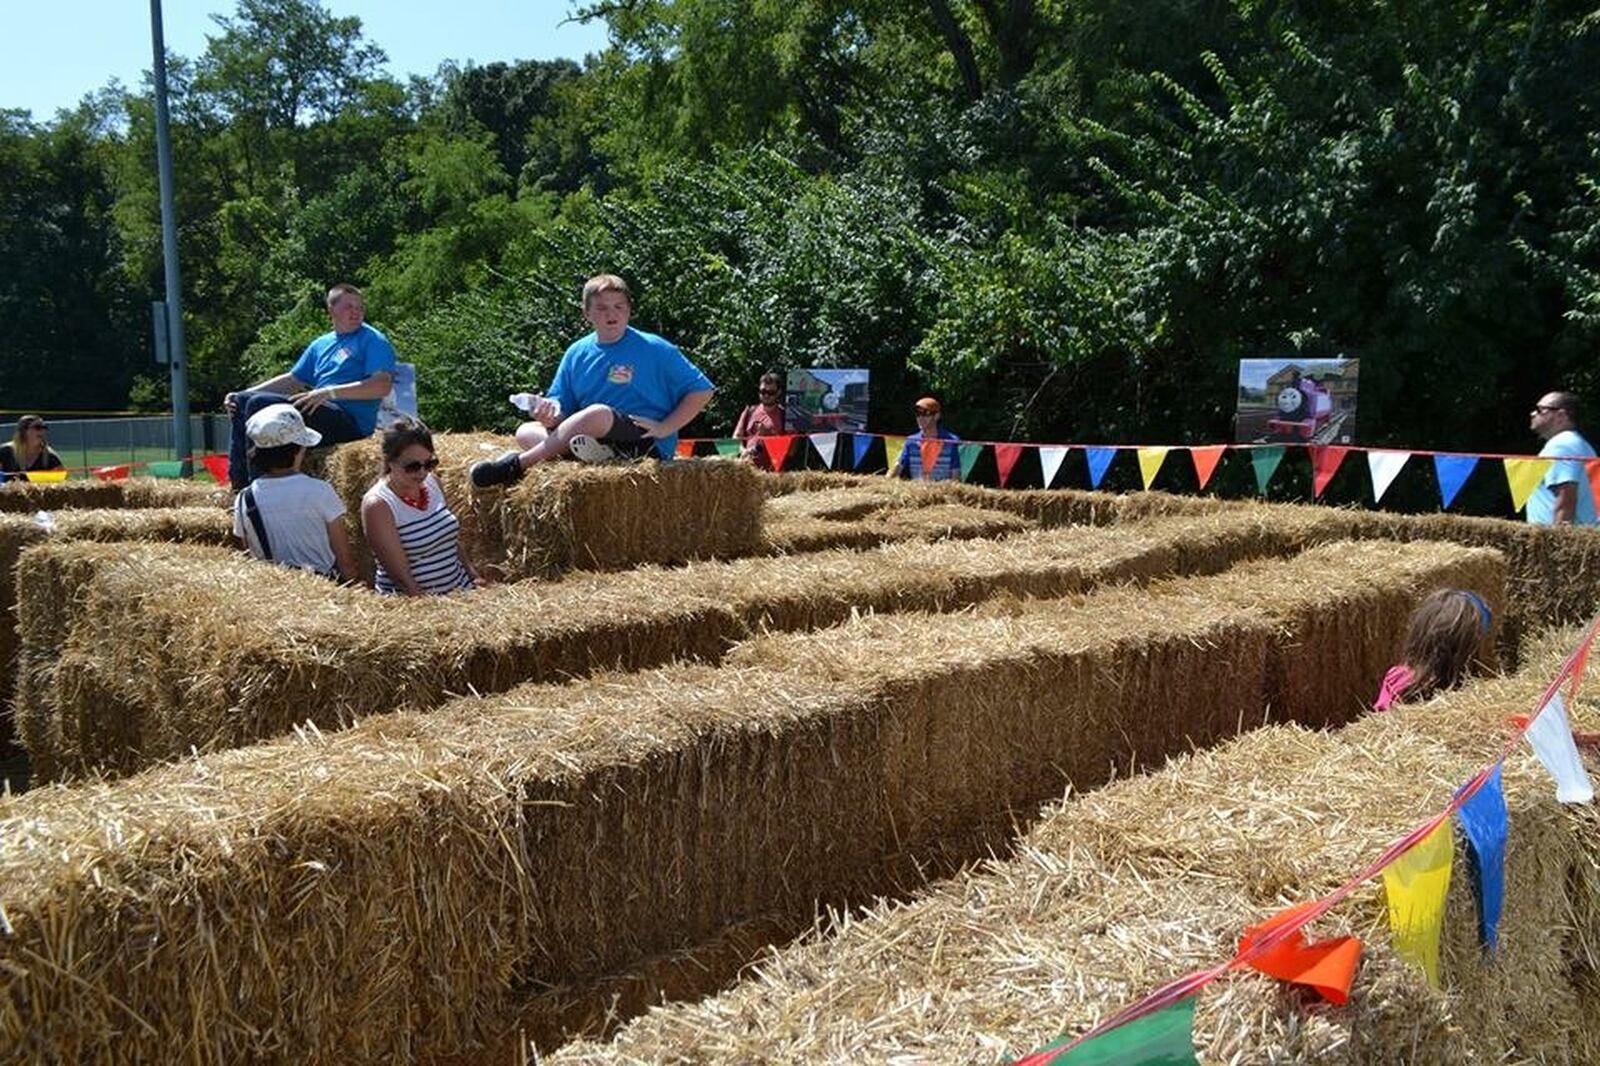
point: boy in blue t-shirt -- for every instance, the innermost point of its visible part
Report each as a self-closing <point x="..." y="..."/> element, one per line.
<point x="618" y="393"/>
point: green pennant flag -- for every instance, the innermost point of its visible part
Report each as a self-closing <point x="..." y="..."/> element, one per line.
<point x="728" y="446"/>
<point x="969" y="458"/>
<point x="1165" y="1038"/>
<point x="1266" y="461"/>
<point x="166" y="468"/>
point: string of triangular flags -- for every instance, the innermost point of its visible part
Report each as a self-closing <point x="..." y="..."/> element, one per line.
<point x="1416" y="879"/>
<point x="1451" y="469"/>
<point x="215" y="465"/>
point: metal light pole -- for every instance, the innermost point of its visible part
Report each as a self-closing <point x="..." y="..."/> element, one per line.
<point x="169" y="247"/>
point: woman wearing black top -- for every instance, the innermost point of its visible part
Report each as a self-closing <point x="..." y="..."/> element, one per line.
<point x="29" y="448"/>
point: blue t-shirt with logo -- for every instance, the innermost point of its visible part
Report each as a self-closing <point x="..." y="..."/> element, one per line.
<point x="640" y="374"/>
<point x="1569" y="449"/>
<point x="344" y="359"/>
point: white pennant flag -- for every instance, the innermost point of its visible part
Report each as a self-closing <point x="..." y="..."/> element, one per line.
<point x="1384" y="468"/>
<point x="825" y="444"/>
<point x="1551" y="737"/>
<point x="1050" y="458"/>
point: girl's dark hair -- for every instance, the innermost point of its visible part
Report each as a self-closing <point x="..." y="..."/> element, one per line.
<point x="402" y="435"/>
<point x="1441" y="639"/>
<point x="266" y="460"/>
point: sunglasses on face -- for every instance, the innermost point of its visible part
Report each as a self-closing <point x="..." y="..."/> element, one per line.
<point x="415" y="465"/>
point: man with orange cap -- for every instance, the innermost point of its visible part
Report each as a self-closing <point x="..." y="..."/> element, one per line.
<point x="946" y="466"/>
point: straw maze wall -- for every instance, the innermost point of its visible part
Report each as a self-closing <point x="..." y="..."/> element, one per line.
<point x="419" y="874"/>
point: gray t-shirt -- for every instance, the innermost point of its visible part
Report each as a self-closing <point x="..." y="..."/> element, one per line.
<point x="296" y="509"/>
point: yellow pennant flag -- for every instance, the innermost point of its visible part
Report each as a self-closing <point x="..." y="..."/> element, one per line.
<point x="892" y="447"/>
<point x="1416" y="884"/>
<point x="47" y="475"/>
<point x="1150" y="460"/>
<point x="1524" y="475"/>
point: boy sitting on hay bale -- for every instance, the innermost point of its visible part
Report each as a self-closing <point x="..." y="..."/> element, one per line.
<point x="629" y="392"/>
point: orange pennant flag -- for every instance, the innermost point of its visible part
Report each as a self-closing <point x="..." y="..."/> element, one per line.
<point x="1005" y="457"/>
<point x="1325" y="462"/>
<point x="1205" y="461"/>
<point x="931" y="451"/>
<point x="686" y="449"/>
<point x="112" y="473"/>
<point x="217" y="466"/>
<point x="1328" y="966"/>
<point x="777" y="448"/>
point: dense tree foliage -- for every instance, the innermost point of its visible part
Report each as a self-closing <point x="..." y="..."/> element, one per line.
<point x="1071" y="219"/>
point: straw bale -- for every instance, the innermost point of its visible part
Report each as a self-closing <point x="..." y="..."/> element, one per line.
<point x="416" y="873"/>
<point x="1118" y="891"/>
<point x="21" y="497"/>
<point x="814" y="481"/>
<point x="786" y="534"/>
<point x="164" y="645"/>
<point x="836" y="505"/>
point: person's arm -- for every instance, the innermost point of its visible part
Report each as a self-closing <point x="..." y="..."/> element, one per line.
<point x="691" y="404"/>
<point x="377" y="522"/>
<point x="1566" y="503"/>
<point x="286" y="383"/>
<point x="372" y="387"/>
<point x="741" y="428"/>
<point x="339" y="541"/>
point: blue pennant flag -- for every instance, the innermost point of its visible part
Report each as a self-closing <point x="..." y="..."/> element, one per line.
<point x="859" y="443"/>
<point x="1099" y="463"/>
<point x="1453" y="471"/>
<point x="1484" y="818"/>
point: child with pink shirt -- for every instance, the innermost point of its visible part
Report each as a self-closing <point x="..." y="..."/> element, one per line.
<point x="1441" y="639"/>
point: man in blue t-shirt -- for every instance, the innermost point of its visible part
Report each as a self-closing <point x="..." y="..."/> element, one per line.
<point x="618" y="393"/>
<point x="947" y="465"/>
<point x="337" y="383"/>
<point x="1563" y="496"/>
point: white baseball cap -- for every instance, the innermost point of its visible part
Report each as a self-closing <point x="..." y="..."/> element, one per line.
<point x="278" y="424"/>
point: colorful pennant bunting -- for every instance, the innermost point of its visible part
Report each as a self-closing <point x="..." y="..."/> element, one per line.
<point x="1325" y="462"/>
<point x="728" y="446"/>
<point x="1099" y="463"/>
<point x="1453" y="471"/>
<point x="1522" y="477"/>
<point x="1265" y="461"/>
<point x="1205" y="461"/>
<point x="1150" y="460"/>
<point x="1005" y="457"/>
<point x="826" y="445"/>
<point x="968" y="454"/>
<point x="1551" y="738"/>
<point x="1165" y="1038"/>
<point x="777" y="448"/>
<point x="892" y="447"/>
<point x="1384" y="467"/>
<point x="930" y="452"/>
<point x="1483" y="817"/>
<point x="217" y="467"/>
<point x="1328" y="966"/>
<point x="859" y="443"/>
<point x="1416" y="884"/>
<point x="1050" y="459"/>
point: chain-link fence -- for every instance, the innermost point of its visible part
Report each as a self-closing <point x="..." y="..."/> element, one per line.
<point x="87" y="443"/>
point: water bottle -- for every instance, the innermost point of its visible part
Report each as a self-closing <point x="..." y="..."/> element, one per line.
<point x="45" y="521"/>
<point x="524" y="401"/>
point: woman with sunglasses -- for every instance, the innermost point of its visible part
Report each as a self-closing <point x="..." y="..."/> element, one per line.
<point x="763" y="419"/>
<point x="29" y="448"/>
<point x="414" y="536"/>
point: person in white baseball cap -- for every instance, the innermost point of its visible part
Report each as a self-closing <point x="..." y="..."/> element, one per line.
<point x="285" y="516"/>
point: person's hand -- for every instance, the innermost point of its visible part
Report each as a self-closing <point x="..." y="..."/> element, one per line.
<point x="649" y="426"/>
<point x="546" y="412"/>
<point x="230" y="403"/>
<point x="311" y="399"/>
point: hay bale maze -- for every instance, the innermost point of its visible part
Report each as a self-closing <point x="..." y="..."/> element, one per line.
<point x="26" y="497"/>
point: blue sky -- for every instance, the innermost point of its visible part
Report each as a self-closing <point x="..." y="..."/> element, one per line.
<point x="51" y="56"/>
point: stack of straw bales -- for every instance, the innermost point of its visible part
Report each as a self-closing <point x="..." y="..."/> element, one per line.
<point x="788" y="530"/>
<point x="1122" y="890"/>
<point x="390" y="891"/>
<point x="25" y="497"/>
<point x="134" y="655"/>
<point x="567" y="516"/>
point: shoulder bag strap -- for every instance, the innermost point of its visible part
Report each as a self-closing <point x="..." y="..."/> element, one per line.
<point x="253" y="513"/>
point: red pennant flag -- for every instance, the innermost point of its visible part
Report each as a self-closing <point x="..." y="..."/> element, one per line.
<point x="1592" y="468"/>
<point x="1328" y="966"/>
<point x="1325" y="462"/>
<point x="112" y="473"/>
<point x="1005" y="457"/>
<point x="931" y="451"/>
<point x="1205" y="461"/>
<point x="1580" y="664"/>
<point x="777" y="448"/>
<point x="217" y="465"/>
<point x="686" y="449"/>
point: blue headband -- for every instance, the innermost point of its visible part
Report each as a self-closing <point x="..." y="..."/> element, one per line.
<point x="1485" y="616"/>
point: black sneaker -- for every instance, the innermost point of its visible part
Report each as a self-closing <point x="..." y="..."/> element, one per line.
<point x="506" y="470"/>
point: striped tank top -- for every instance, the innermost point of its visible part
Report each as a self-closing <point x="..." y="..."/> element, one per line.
<point x="429" y="537"/>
